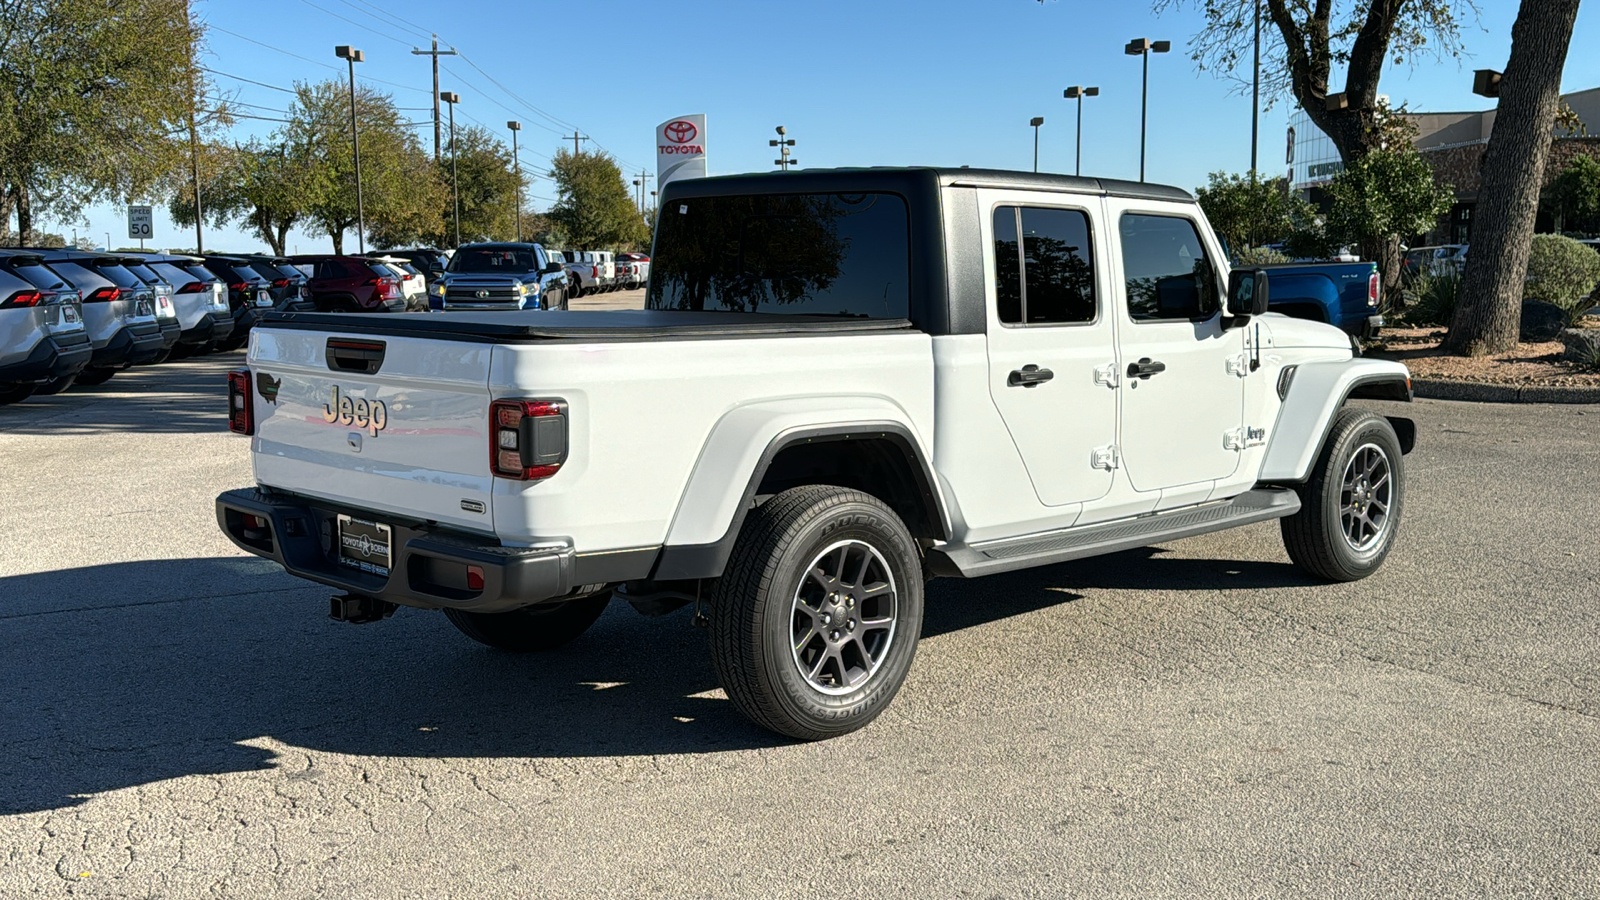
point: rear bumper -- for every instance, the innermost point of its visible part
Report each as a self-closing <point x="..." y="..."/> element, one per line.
<point x="55" y="357"/>
<point x="428" y="566"/>
<point x="170" y="332"/>
<point x="1370" y="328"/>
<point x="209" y="328"/>
<point x="133" y="344"/>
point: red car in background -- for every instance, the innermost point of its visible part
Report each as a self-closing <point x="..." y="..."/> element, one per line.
<point x="348" y="284"/>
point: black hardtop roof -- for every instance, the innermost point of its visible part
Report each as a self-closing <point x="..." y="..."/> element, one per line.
<point x="889" y="177"/>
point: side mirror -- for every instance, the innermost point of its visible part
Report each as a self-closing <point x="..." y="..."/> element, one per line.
<point x="1247" y="292"/>
<point x="551" y="268"/>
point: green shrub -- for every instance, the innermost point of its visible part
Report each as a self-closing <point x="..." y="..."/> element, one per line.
<point x="1434" y="301"/>
<point x="1259" y="256"/>
<point x="1562" y="272"/>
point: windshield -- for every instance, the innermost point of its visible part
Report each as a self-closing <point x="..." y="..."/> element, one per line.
<point x="484" y="261"/>
<point x="807" y="254"/>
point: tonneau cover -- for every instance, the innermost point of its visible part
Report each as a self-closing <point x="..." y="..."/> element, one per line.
<point x="515" y="326"/>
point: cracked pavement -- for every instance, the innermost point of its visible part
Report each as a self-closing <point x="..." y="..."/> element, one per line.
<point x="1197" y="719"/>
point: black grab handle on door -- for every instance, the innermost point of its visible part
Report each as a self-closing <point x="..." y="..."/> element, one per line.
<point x="1144" y="368"/>
<point x="1029" y="376"/>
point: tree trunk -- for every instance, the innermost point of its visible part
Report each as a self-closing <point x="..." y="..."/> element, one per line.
<point x="8" y="202"/>
<point x="1489" y="313"/>
<point x="24" y="217"/>
<point x="338" y="240"/>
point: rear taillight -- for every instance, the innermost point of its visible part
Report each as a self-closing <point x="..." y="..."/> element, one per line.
<point x="193" y="287"/>
<point x="527" y="438"/>
<point x="103" y="295"/>
<point x="389" y="288"/>
<point x="281" y="283"/>
<point x="1372" y="289"/>
<point x="239" y="286"/>
<point x="24" y="298"/>
<point x="596" y="270"/>
<point x="241" y="410"/>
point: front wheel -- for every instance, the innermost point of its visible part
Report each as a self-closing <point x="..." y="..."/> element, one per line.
<point x="1350" y="508"/>
<point x="816" y="618"/>
<point x="15" y="393"/>
<point x="531" y="629"/>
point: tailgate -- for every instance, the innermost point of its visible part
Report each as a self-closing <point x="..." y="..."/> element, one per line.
<point x="391" y="424"/>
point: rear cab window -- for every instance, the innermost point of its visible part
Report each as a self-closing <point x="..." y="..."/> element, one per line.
<point x="822" y="254"/>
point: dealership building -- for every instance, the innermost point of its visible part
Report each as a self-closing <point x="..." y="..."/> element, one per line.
<point x="1453" y="143"/>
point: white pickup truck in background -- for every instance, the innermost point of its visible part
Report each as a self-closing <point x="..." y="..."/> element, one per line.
<point x="845" y="382"/>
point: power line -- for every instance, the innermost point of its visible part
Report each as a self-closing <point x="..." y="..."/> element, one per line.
<point x="232" y="102"/>
<point x="274" y="49"/>
<point x="401" y="23"/>
<point x="326" y="11"/>
<point x="247" y="80"/>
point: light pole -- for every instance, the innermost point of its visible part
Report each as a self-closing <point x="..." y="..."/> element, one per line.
<point x="353" y="56"/>
<point x="1255" y="99"/>
<point x="1144" y="47"/>
<point x="638" y="193"/>
<point x="783" y="144"/>
<point x="455" y="183"/>
<point x="516" y="163"/>
<point x="1036" y="121"/>
<point x="1078" y="93"/>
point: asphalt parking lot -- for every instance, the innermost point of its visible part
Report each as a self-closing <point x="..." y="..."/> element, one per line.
<point x="179" y="719"/>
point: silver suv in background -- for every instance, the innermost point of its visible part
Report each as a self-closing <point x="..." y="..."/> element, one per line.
<point x="199" y="300"/>
<point x="42" y="339"/>
<point x="121" y="322"/>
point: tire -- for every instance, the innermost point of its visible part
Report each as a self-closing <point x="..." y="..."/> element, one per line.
<point x="577" y="290"/>
<point x="15" y="393"/>
<point x="161" y="357"/>
<point x="55" y="386"/>
<point x="531" y="629"/>
<point x="770" y="600"/>
<point x="1350" y="508"/>
<point x="95" y="375"/>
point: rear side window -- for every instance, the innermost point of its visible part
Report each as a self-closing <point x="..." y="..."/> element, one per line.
<point x="1046" y="278"/>
<point x="381" y="269"/>
<point x="145" y="273"/>
<point x="39" y="276"/>
<point x="79" y="277"/>
<point x="1167" y="271"/>
<point x="118" y="275"/>
<point x="172" y="274"/>
<point x="805" y="254"/>
<point x="200" y="272"/>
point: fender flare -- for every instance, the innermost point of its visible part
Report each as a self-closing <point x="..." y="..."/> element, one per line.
<point x="1315" y="393"/>
<point x="714" y="504"/>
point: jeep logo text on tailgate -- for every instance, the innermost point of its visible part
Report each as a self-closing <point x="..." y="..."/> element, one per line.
<point x="369" y="414"/>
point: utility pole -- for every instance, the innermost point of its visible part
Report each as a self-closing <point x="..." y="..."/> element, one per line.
<point x="435" y="53"/>
<point x="516" y="163"/>
<point x="1078" y="92"/>
<point x="575" y="137"/>
<point x="194" y="135"/>
<point x="783" y="144"/>
<point x="643" y="182"/>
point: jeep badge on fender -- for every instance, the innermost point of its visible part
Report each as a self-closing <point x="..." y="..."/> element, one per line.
<point x="369" y="414"/>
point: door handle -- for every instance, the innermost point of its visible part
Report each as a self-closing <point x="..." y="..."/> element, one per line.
<point x="1029" y="376"/>
<point x="1144" y="368"/>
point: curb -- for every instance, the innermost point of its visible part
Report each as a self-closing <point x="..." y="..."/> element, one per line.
<point x="1502" y="393"/>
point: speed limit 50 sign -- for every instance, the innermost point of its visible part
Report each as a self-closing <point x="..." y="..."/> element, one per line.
<point x="139" y="222"/>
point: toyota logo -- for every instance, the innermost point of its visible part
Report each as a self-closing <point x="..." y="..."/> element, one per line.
<point x="680" y="132"/>
<point x="483" y="295"/>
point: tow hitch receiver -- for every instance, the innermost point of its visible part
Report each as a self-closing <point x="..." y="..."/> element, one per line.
<point x="359" y="609"/>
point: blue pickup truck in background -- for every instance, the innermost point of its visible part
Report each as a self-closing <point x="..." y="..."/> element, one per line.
<point x="1342" y="294"/>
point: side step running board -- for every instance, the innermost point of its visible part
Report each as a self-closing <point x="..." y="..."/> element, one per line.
<point x="1010" y="554"/>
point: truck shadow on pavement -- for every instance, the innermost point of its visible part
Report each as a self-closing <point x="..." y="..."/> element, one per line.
<point x="188" y="396"/>
<point x="130" y="674"/>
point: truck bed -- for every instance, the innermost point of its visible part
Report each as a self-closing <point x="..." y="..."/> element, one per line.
<point x="526" y="326"/>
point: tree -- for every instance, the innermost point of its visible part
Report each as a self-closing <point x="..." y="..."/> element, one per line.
<point x="1573" y="198"/>
<point x="488" y="182"/>
<point x="1383" y="194"/>
<point x="1303" y="41"/>
<point x="401" y="190"/>
<point x="95" y="100"/>
<point x="595" y="210"/>
<point x="259" y="184"/>
<point x="1489" y="314"/>
<point x="1250" y="212"/>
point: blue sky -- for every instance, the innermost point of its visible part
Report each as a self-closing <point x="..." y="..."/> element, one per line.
<point x="868" y="82"/>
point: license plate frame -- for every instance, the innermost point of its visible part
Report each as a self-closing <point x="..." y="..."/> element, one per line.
<point x="364" y="544"/>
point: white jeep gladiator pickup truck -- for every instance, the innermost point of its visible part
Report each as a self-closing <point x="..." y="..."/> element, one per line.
<point x="845" y="382"/>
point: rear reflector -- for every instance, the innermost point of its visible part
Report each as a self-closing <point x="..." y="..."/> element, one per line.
<point x="474" y="578"/>
<point x="241" y="408"/>
<point x="527" y="438"/>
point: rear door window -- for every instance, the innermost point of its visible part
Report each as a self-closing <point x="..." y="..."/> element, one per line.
<point x="806" y="254"/>
<point x="1048" y="277"/>
<point x="144" y="272"/>
<point x="79" y="277"/>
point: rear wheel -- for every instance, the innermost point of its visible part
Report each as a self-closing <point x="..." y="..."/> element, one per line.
<point x="816" y="618"/>
<point x="161" y="357"/>
<point x="95" y="375"/>
<point x="15" y="393"/>
<point x="1350" y="508"/>
<point x="532" y="628"/>
<point x="577" y="289"/>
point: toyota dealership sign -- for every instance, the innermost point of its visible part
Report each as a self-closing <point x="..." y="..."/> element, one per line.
<point x="680" y="149"/>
